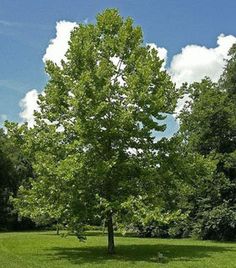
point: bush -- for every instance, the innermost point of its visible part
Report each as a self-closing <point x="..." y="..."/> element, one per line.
<point x="217" y="224"/>
<point x="174" y="229"/>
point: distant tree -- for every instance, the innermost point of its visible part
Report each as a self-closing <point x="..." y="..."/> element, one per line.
<point x="94" y="133"/>
<point x="45" y="195"/>
<point x="5" y="182"/>
<point x="183" y="177"/>
<point x="228" y="78"/>
<point x="208" y="125"/>
<point x="15" y="168"/>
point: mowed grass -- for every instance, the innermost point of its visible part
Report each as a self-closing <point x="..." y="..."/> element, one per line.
<point x="45" y="249"/>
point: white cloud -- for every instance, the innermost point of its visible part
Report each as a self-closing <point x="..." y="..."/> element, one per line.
<point x="59" y="45"/>
<point x="28" y="105"/>
<point x="55" y="52"/>
<point x="195" y="62"/>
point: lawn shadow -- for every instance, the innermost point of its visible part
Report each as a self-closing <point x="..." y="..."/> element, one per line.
<point x="135" y="253"/>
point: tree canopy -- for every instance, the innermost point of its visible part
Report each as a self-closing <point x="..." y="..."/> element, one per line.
<point x="93" y="141"/>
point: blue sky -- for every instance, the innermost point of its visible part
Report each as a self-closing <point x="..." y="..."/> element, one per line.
<point x="27" y="26"/>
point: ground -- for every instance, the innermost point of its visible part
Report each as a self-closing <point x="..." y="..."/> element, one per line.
<point x="46" y="249"/>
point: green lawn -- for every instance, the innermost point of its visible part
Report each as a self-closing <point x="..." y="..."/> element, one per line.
<point x="45" y="249"/>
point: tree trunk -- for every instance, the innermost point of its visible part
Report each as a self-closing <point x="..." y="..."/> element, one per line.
<point x="111" y="245"/>
<point x="57" y="229"/>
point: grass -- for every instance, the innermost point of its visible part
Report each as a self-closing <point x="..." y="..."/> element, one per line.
<point x="45" y="249"/>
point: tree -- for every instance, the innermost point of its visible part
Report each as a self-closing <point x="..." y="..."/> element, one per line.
<point x="6" y="182"/>
<point x="14" y="171"/>
<point x="94" y="133"/>
<point x="184" y="177"/>
<point x="228" y="79"/>
<point x="208" y="125"/>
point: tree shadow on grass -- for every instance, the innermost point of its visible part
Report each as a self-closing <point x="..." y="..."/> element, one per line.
<point x="136" y="253"/>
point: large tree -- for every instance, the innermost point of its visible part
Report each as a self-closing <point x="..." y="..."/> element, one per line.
<point x="95" y="130"/>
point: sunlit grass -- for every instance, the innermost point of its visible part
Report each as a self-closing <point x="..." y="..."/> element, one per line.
<point x="45" y="249"/>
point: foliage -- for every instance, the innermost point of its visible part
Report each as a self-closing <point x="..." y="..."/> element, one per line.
<point x="208" y="126"/>
<point x="218" y="223"/>
<point x="152" y="221"/>
<point x="14" y="171"/>
<point x="183" y="179"/>
<point x="93" y="142"/>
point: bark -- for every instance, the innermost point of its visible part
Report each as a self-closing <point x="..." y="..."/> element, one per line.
<point x="57" y="229"/>
<point x="111" y="244"/>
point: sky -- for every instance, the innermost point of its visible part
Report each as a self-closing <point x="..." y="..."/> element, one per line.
<point x="193" y="37"/>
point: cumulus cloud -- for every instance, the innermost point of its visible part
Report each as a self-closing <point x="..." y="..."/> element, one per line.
<point x="28" y="105"/>
<point x="59" y="45"/>
<point x="55" y="52"/>
<point x="195" y="62"/>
